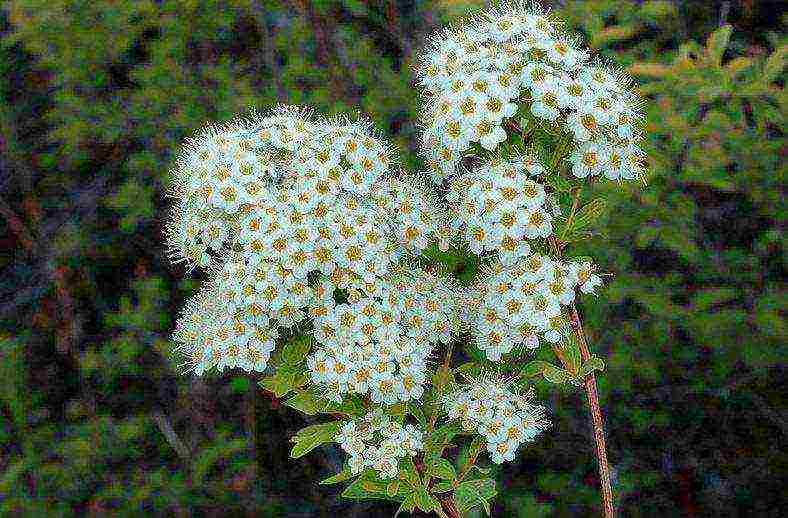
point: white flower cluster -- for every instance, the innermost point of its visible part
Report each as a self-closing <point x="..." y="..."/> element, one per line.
<point x="379" y="341"/>
<point x="378" y="442"/>
<point x="211" y="335"/>
<point x="272" y="185"/>
<point x="266" y="201"/>
<point x="475" y="76"/>
<point x="506" y="419"/>
<point x="497" y="207"/>
<point x="513" y="305"/>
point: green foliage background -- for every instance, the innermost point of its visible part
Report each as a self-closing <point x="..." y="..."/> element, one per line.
<point x="96" y="97"/>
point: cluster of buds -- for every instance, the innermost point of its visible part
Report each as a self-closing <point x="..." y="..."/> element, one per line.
<point x="376" y="441"/>
<point x="506" y="419"/>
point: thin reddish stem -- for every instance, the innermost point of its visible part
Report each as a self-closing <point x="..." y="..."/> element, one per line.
<point x="593" y="402"/>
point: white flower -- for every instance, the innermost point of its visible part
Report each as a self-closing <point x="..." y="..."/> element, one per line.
<point x="505" y="418"/>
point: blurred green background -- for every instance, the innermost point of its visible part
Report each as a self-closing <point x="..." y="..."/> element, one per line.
<point x="95" y="99"/>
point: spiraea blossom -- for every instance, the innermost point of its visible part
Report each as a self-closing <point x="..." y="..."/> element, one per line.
<point x="265" y="201"/>
<point x="515" y="59"/>
<point x="376" y="441"/>
<point x="305" y="225"/>
<point x="211" y="335"/>
<point x="513" y="306"/>
<point x="379" y="341"/>
<point x="491" y="407"/>
<point x="498" y="207"/>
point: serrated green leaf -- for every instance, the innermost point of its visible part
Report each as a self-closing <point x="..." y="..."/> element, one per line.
<point x="555" y="375"/>
<point x="439" y="438"/>
<point x="533" y="369"/>
<point x="583" y="219"/>
<point x="559" y="184"/>
<point x="294" y="351"/>
<point x="285" y="380"/>
<point x="416" y="411"/>
<point x="342" y="476"/>
<point x="775" y="64"/>
<point x="351" y="405"/>
<point x="370" y="486"/>
<point x="392" y="488"/>
<point x="409" y="504"/>
<point x="409" y="473"/>
<point x="397" y="411"/>
<point x="470" y="369"/>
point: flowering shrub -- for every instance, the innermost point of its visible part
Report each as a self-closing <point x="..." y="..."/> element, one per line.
<point x="327" y="263"/>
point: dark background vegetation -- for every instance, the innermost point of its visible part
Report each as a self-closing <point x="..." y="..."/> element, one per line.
<point x="96" y="97"/>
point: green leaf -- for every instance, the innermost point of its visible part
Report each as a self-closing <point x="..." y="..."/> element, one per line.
<point x="370" y="486"/>
<point x="409" y="504"/>
<point x="285" y="380"/>
<point x="309" y="438"/>
<point x="595" y="363"/>
<point x="408" y="472"/>
<point x="559" y="184"/>
<point x="425" y="501"/>
<point x="468" y="455"/>
<point x="534" y="369"/>
<point x="351" y="405"/>
<point x="775" y="64"/>
<point x="555" y="375"/>
<point x="470" y="369"/>
<point x="471" y="493"/>
<point x="397" y="412"/>
<point x="442" y="436"/>
<point x="442" y="379"/>
<point x="417" y="412"/>
<point x="294" y="352"/>
<point x="718" y="42"/>
<point x="240" y="384"/>
<point x="584" y="218"/>
<point x="551" y="373"/>
<point x="392" y="488"/>
<point x="306" y="402"/>
<point x="342" y="476"/>
<point x="440" y="468"/>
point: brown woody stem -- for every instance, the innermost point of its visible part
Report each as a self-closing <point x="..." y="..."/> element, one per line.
<point x="593" y="403"/>
<point x="449" y="507"/>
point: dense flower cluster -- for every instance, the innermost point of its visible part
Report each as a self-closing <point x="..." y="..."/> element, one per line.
<point x="378" y="442"/>
<point x="475" y="76"/>
<point x="496" y="207"/>
<point x="268" y="202"/>
<point x="513" y="305"/>
<point x="504" y="418"/>
<point x="211" y="335"/>
<point x="379" y="341"/>
<point x="288" y="185"/>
